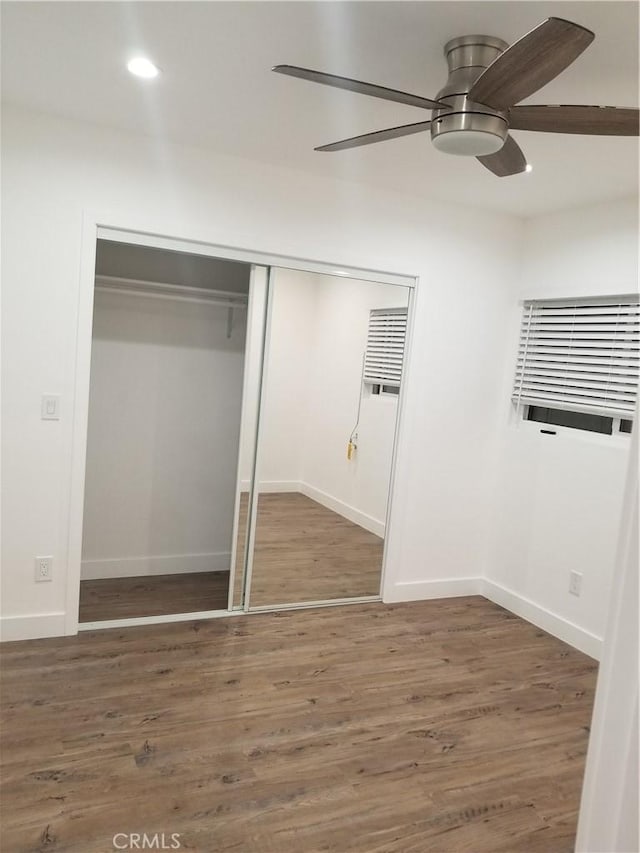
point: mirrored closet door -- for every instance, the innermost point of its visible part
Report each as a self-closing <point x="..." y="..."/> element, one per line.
<point x="241" y="429"/>
<point x="331" y="377"/>
<point x="167" y="394"/>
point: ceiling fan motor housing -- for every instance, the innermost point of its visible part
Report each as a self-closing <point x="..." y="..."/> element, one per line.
<point x="465" y="127"/>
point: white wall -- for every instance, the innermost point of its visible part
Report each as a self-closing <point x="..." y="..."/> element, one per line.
<point x="164" y="421"/>
<point x="54" y="169"/>
<point x="560" y="497"/>
<point x="609" y="809"/>
<point x="585" y="251"/>
<point x="313" y="379"/>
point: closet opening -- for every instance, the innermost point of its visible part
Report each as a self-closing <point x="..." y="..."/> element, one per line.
<point x="235" y="427"/>
<point x="165" y="410"/>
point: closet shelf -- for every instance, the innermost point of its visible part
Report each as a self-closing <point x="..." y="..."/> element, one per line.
<point x="160" y="290"/>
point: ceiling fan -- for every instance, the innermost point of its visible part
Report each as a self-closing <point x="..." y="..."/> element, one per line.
<point x="474" y="111"/>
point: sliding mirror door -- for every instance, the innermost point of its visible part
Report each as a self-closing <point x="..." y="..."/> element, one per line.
<point x="245" y="504"/>
<point x="331" y="378"/>
<point x="171" y="384"/>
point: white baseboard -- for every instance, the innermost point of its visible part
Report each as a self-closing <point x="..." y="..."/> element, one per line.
<point x="324" y="499"/>
<point x="43" y="625"/>
<point x="175" y="564"/>
<point x="350" y="512"/>
<point x="34" y="627"/>
<point x="270" y="486"/>
<point x="551" y="622"/>
<point x="424" y="590"/>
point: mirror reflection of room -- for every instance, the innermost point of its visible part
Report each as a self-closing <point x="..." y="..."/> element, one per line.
<point x="332" y="375"/>
<point x="164" y="419"/>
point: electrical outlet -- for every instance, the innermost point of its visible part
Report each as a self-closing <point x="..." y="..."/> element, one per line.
<point x="575" y="583"/>
<point x="44" y="569"/>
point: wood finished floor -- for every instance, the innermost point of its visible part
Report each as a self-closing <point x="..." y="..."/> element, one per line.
<point x="156" y="595"/>
<point x="306" y="552"/>
<point x="432" y="727"/>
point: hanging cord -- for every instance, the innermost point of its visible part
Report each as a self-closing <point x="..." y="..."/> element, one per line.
<point x="353" y="438"/>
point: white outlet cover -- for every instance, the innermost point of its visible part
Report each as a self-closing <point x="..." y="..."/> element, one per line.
<point x="43" y="569"/>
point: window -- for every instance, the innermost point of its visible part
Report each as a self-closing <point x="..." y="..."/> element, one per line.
<point x="394" y="390"/>
<point x="573" y="420"/>
<point x="385" y="348"/>
<point x="580" y="356"/>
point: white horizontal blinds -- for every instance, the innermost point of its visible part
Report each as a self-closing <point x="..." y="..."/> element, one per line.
<point x="385" y="346"/>
<point x="580" y="355"/>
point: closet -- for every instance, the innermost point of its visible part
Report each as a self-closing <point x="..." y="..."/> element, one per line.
<point x="167" y="370"/>
<point x="241" y="431"/>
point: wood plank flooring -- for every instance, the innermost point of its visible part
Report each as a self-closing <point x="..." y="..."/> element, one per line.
<point x="306" y="552"/>
<point x="155" y="595"/>
<point x="431" y="727"/>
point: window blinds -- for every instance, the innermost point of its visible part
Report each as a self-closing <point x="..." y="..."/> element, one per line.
<point x="580" y="355"/>
<point x="385" y="346"/>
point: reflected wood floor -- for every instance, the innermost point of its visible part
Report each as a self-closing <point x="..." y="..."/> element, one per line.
<point x="155" y="595"/>
<point x="432" y="727"/>
<point x="306" y="552"/>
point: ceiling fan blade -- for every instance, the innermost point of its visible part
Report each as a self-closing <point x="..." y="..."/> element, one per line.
<point x="509" y="160"/>
<point x="563" y="118"/>
<point x="530" y="63"/>
<point x="358" y="86"/>
<point x="376" y="136"/>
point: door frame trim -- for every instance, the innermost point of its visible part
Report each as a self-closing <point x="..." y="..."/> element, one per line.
<point x="110" y="226"/>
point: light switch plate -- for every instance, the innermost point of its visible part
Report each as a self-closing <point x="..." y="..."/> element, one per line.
<point x="50" y="409"/>
<point x="575" y="583"/>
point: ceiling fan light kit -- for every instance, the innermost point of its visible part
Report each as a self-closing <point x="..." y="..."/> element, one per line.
<point x="465" y="127"/>
<point x="472" y="113"/>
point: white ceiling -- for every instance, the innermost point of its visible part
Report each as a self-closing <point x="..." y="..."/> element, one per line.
<point x="217" y="90"/>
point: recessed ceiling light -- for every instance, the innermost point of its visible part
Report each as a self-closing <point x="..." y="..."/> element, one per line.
<point x="528" y="168"/>
<point x="142" y="67"/>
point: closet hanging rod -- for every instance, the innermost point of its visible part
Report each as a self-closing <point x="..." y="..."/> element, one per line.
<point x="162" y="290"/>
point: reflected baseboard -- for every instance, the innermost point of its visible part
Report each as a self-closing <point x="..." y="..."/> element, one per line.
<point x="172" y="564"/>
<point x="270" y="487"/>
<point x="346" y="510"/>
<point x="351" y="513"/>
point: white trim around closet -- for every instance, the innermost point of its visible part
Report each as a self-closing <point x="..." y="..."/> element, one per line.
<point x="154" y="239"/>
<point x="110" y="226"/>
<point x="219" y="614"/>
